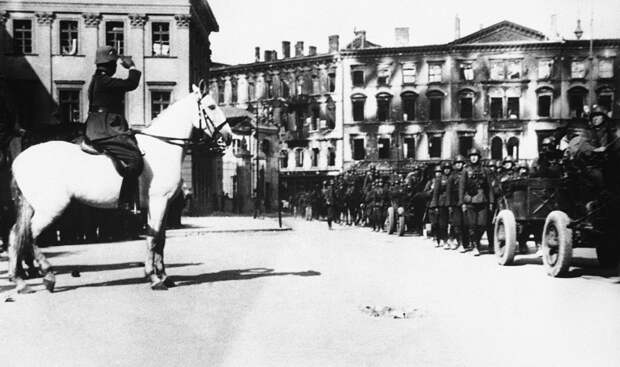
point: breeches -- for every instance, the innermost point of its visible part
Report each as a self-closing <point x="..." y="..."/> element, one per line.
<point x="456" y="223"/>
<point x="476" y="218"/>
<point x="124" y="149"/>
<point x="441" y="223"/>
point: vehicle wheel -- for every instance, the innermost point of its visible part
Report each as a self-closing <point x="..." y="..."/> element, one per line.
<point x="391" y="223"/>
<point x="608" y="255"/>
<point x="505" y="237"/>
<point x="401" y="225"/>
<point x="557" y="244"/>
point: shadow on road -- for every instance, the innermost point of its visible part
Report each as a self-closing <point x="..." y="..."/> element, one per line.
<point x="64" y="269"/>
<point x="228" y="275"/>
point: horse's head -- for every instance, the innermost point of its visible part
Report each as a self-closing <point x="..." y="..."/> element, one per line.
<point x="211" y="119"/>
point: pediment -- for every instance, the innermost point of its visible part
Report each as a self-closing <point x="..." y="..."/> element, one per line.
<point x="503" y="32"/>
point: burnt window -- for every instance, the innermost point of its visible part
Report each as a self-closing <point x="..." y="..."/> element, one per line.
<point x="299" y="158"/>
<point x="467" y="107"/>
<point x="497" y="107"/>
<point x="359" y="103"/>
<point x="497" y="148"/>
<point x="315" y="157"/>
<point x="286" y="91"/>
<point x="315" y="110"/>
<point x="435" y="108"/>
<point x="466" y="142"/>
<point x="359" y="149"/>
<point x="160" y="100"/>
<point x="383" y="107"/>
<point x="513" y="107"/>
<point x="544" y="105"/>
<point x="467" y="72"/>
<point x="22" y="36"/>
<point x="434" y="146"/>
<point x="233" y="91"/>
<point x="69" y="105"/>
<point x="383" y="146"/>
<point x="512" y="147"/>
<point x="358" y="78"/>
<point x="115" y="36"/>
<point x="605" y="100"/>
<point x="332" y="82"/>
<point x="408" y="106"/>
<point x="284" y="159"/>
<point x="220" y="94"/>
<point x="576" y="101"/>
<point x="68" y="37"/>
<point x="409" y="146"/>
<point x="331" y="114"/>
<point x="331" y="157"/>
<point x="161" y="39"/>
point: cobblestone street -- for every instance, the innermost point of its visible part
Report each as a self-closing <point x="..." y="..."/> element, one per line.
<point x="300" y="298"/>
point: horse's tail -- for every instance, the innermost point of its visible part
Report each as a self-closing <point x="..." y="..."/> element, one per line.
<point x="21" y="234"/>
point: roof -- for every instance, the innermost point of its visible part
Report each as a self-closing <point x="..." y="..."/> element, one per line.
<point x="360" y="42"/>
<point x="504" y="31"/>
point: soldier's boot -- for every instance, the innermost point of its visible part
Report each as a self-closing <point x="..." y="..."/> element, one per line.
<point x="129" y="198"/>
<point x="476" y="249"/>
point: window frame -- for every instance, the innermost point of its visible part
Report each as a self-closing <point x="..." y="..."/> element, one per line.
<point x="354" y="156"/>
<point x="355" y="81"/>
<point x="544" y="93"/>
<point x="151" y="100"/>
<point x="407" y="148"/>
<point x="158" y="40"/>
<point x="115" y="41"/>
<point x="315" y="157"/>
<point x="64" y="33"/>
<point x="437" y="99"/>
<point x="601" y="61"/>
<point x="408" y="67"/>
<point x="26" y="34"/>
<point x="549" y="63"/>
<point x="359" y="100"/>
<point x="299" y="157"/>
<point x="384" y="106"/>
<point x="408" y="104"/>
<point x="492" y="110"/>
<point x="573" y="68"/>
<point x="500" y="70"/>
<point x="465" y="66"/>
<point x="383" y="151"/>
<point x="78" y="101"/>
<point x="331" y="157"/>
<point x="508" y="107"/>
<point x="432" y="77"/>
<point x="431" y="137"/>
<point x="283" y="159"/>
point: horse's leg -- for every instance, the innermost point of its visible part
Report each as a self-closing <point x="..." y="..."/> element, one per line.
<point x="155" y="240"/>
<point x="20" y="238"/>
<point x="40" y="221"/>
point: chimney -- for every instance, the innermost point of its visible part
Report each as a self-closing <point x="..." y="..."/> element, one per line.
<point x="402" y="36"/>
<point x="299" y="48"/>
<point x="312" y="51"/>
<point x="457" y="27"/>
<point x="334" y="43"/>
<point x="362" y="36"/>
<point x="553" y="30"/>
<point x="257" y="54"/>
<point x="274" y="55"/>
<point x="286" y="49"/>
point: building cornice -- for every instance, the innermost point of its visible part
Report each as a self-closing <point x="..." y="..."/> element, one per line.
<point x="264" y="66"/>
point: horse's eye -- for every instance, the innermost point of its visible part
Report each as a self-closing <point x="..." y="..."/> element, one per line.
<point x="212" y="107"/>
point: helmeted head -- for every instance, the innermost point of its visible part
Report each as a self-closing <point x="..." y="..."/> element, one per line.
<point x="523" y="168"/>
<point x="508" y="163"/>
<point x="446" y="167"/>
<point x="598" y="117"/>
<point x="437" y="170"/>
<point x="474" y="155"/>
<point x="459" y="162"/>
<point x="106" y="58"/>
<point x="548" y="144"/>
<point x="491" y="164"/>
<point x="210" y="117"/>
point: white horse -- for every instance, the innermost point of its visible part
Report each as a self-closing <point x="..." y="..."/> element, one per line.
<point x="49" y="175"/>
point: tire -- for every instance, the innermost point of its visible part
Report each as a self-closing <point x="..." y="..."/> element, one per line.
<point x="608" y="255"/>
<point x="390" y="222"/>
<point x="505" y="237"/>
<point x="557" y="244"/>
<point x="401" y="225"/>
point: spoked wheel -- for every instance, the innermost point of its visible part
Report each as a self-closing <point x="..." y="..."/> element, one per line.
<point x="557" y="244"/>
<point x="505" y="237"/>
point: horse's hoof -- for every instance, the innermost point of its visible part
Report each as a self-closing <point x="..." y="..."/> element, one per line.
<point x="49" y="281"/>
<point x="159" y="286"/>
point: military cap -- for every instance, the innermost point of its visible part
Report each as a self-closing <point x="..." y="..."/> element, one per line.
<point x="105" y="54"/>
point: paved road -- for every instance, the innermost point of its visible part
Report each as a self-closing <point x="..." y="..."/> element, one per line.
<point x="294" y="299"/>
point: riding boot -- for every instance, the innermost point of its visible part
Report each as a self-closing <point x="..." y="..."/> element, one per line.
<point x="129" y="198"/>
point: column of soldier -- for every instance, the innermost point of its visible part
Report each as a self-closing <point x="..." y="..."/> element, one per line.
<point x="452" y="202"/>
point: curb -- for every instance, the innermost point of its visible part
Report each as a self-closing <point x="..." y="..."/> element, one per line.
<point x="198" y="232"/>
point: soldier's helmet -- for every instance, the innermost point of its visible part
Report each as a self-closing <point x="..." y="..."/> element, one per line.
<point x="523" y="168"/>
<point x="548" y="142"/>
<point x="105" y="54"/>
<point x="498" y="164"/>
<point x="459" y="159"/>
<point x="598" y="115"/>
<point x="491" y="163"/>
<point x="508" y="159"/>
<point x="446" y="165"/>
<point x="473" y="151"/>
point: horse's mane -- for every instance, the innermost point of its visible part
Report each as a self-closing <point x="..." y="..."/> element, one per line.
<point x="174" y="114"/>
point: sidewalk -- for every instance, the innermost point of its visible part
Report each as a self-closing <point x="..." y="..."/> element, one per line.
<point x="195" y="226"/>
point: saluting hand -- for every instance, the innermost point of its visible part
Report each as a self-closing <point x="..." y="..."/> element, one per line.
<point x="127" y="62"/>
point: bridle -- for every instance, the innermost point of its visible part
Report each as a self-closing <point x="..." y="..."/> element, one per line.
<point x="203" y="119"/>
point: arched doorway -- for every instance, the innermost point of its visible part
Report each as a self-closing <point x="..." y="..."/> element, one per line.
<point x="497" y="148"/>
<point x="512" y="146"/>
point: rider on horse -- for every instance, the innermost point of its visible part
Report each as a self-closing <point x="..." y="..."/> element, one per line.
<point x="106" y="127"/>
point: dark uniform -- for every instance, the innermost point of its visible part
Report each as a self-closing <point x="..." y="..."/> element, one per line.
<point x="549" y="160"/>
<point x="106" y="126"/>
<point x="440" y="203"/>
<point x="455" y="235"/>
<point x="328" y="198"/>
<point x="475" y="197"/>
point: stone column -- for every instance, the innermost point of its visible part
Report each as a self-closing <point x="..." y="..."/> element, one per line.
<point x="90" y="40"/>
<point x="138" y="99"/>
<point x="181" y="50"/>
<point x="43" y="47"/>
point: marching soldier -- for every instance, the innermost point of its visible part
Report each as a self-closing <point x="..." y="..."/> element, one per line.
<point x="328" y="198"/>
<point x="440" y="204"/>
<point x="508" y="169"/>
<point x="475" y="197"/>
<point x="455" y="235"/>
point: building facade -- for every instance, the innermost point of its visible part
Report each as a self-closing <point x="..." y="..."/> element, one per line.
<point x="47" y="51"/>
<point x="501" y="89"/>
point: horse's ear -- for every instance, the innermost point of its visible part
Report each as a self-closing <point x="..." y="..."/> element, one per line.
<point x="203" y="87"/>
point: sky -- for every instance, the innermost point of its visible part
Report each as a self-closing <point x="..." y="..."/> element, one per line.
<point x="245" y="24"/>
